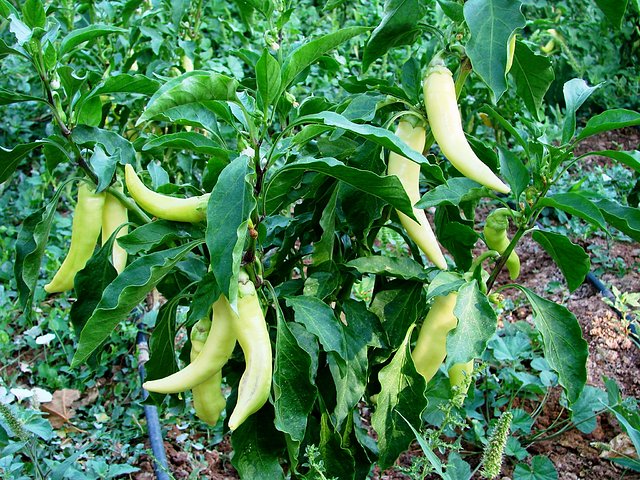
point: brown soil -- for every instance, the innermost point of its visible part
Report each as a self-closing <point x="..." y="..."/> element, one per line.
<point x="611" y="354"/>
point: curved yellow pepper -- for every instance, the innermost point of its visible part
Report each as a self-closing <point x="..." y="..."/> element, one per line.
<point x="446" y="126"/>
<point x="409" y="174"/>
<point x="85" y="229"/>
<point x="192" y="209"/>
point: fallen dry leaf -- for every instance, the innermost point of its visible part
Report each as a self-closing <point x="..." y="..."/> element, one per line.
<point x="60" y="408"/>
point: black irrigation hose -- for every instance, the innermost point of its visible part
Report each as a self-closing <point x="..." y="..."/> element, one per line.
<point x="160" y="465"/>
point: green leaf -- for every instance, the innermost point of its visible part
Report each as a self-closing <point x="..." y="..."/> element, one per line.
<point x="89" y="283"/>
<point x="387" y="188"/>
<point x="7" y="8"/>
<point x="455" y="191"/>
<point x="257" y="447"/>
<point x="207" y="292"/>
<point x="507" y="126"/>
<point x="578" y="205"/>
<point x="115" y="145"/>
<point x="401" y="398"/>
<point x="308" y="53"/>
<point x="513" y="171"/>
<point x="401" y="267"/>
<point x="533" y="75"/>
<point x="491" y="23"/>
<point x="11" y="158"/>
<point x="625" y="219"/>
<point x="614" y="10"/>
<point x="456" y="234"/>
<point x="477" y="323"/>
<point x="541" y="469"/>
<point x="319" y="319"/>
<point x="452" y="9"/>
<point x="192" y="88"/>
<point x="572" y="260"/>
<point x="81" y="35"/>
<point x="228" y="211"/>
<point x="323" y="249"/>
<point x="609" y="120"/>
<point x="104" y="167"/>
<point x="268" y="78"/>
<point x="399" y="26"/>
<point x="397" y="307"/>
<point x="563" y="345"/>
<point x="630" y="159"/>
<point x="195" y="142"/>
<point x="576" y="91"/>
<point x="6" y="50"/>
<point x="125" y="83"/>
<point x="30" y="245"/>
<point x="124" y="293"/>
<point x="33" y="13"/>
<point x="337" y="460"/>
<point x="162" y="361"/>
<point x="159" y="232"/>
<point x="378" y="135"/>
<point x="293" y="384"/>
<point x="583" y="413"/>
<point x="7" y="97"/>
<point x="350" y="375"/>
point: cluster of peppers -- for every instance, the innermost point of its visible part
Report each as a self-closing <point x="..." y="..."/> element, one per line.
<point x="213" y="339"/>
<point x="446" y="127"/>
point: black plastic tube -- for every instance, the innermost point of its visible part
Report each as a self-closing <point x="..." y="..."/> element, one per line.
<point x="160" y="465"/>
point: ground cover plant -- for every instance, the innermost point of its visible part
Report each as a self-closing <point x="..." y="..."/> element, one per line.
<point x="330" y="219"/>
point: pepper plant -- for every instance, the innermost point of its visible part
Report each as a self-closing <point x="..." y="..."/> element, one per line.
<point x="297" y="194"/>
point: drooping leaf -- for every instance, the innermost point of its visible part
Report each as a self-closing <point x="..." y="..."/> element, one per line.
<point x="564" y="347"/>
<point x="30" y="245"/>
<point x="257" y="447"/>
<point x="576" y="91"/>
<point x="455" y="191"/>
<point x="397" y="307"/>
<point x="477" y="323"/>
<point x="513" y="171"/>
<point x="11" y="158"/>
<point x="491" y="23"/>
<point x="319" y="319"/>
<point x="570" y="258"/>
<point x="399" y="26"/>
<point x="295" y="392"/>
<point x="400" y="267"/>
<point x="533" y="75"/>
<point x="124" y="293"/>
<point x="193" y="141"/>
<point x="89" y="284"/>
<point x="402" y="393"/>
<point x="625" y="219"/>
<point x="609" y="120"/>
<point x="387" y="188"/>
<point x="578" y="205"/>
<point x="630" y="159"/>
<point x="350" y="375"/>
<point x="228" y="211"/>
<point x="114" y="145"/>
<point x="8" y="97"/>
<point x="381" y="136"/>
<point x="159" y="232"/>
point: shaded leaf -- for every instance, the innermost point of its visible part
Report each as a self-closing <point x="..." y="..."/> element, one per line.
<point x="124" y="293"/>
<point x="572" y="260"/>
